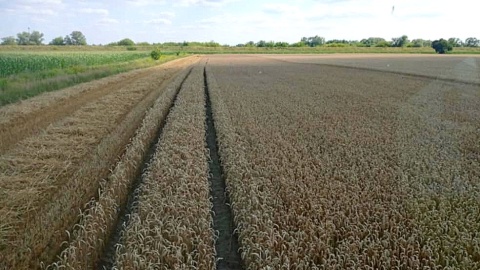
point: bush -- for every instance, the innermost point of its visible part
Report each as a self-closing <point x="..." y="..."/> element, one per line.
<point x="156" y="54"/>
<point x="441" y="46"/>
<point x="131" y="48"/>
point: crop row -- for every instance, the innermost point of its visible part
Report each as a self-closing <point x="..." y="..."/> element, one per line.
<point x="88" y="240"/>
<point x="14" y="63"/>
<point x="171" y="227"/>
<point x="45" y="179"/>
<point x="333" y="169"/>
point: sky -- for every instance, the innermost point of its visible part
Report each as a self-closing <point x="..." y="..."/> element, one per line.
<point x="239" y="21"/>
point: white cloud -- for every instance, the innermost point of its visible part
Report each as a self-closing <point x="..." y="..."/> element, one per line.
<point x="107" y="21"/>
<point x="209" y="3"/>
<point x="98" y="11"/>
<point x="167" y="14"/>
<point x="41" y="2"/>
<point x="144" y="2"/>
<point x="280" y="8"/>
<point x="158" y="21"/>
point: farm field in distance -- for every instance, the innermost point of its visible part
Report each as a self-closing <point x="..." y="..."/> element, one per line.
<point x="27" y="73"/>
<point x="248" y="162"/>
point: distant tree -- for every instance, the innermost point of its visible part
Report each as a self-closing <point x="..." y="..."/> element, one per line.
<point x="67" y="40"/>
<point x="313" y="41"/>
<point x="421" y="43"/>
<point x="23" y="38"/>
<point x="9" y="41"/>
<point x="26" y="38"/>
<point x="240" y="45"/>
<point x="400" y="41"/>
<point x="211" y="44"/>
<point x="270" y="44"/>
<point x="372" y="41"/>
<point x="281" y="44"/>
<point x="455" y="42"/>
<point x="472" y="42"/>
<point x="75" y="38"/>
<point x="143" y="43"/>
<point x="383" y="44"/>
<point x="58" y="41"/>
<point x="441" y="46"/>
<point x="126" y="42"/>
<point x="299" y="44"/>
<point x="250" y="44"/>
<point x="337" y="41"/>
<point x="261" y="43"/>
<point x="36" y="38"/>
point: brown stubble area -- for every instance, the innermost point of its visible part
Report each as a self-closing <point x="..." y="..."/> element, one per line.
<point x="48" y="178"/>
<point x="29" y="117"/>
<point x="330" y="166"/>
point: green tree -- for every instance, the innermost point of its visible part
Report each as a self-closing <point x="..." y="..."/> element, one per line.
<point x="126" y="42"/>
<point x="372" y="41"/>
<point x="421" y="43"/>
<point x="58" y="41"/>
<point x="27" y="38"/>
<point x="281" y="44"/>
<point x="400" y="41"/>
<point x="455" y="42"/>
<point x="156" y="54"/>
<point x="75" y="38"/>
<point x="299" y="44"/>
<point x="36" y="38"/>
<point x="270" y="44"/>
<point x="313" y="41"/>
<point x="23" y="38"/>
<point x="472" y="42"/>
<point x="211" y="44"/>
<point x="383" y="44"/>
<point x="9" y="41"/>
<point x="441" y="46"/>
<point x="261" y="44"/>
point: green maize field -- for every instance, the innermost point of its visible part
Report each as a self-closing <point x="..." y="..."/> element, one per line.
<point x="12" y="63"/>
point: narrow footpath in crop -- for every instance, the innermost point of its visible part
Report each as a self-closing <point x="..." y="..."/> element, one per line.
<point x="226" y="245"/>
<point x="108" y="259"/>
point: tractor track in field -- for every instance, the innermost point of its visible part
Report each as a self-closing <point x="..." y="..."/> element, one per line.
<point x="108" y="258"/>
<point x="226" y="245"/>
<point x="33" y="122"/>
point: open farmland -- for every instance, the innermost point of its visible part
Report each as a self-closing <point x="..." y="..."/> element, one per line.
<point x="24" y="74"/>
<point x="248" y="162"/>
<point x="58" y="148"/>
<point x="333" y="167"/>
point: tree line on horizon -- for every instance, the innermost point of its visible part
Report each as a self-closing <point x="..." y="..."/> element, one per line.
<point x="78" y="38"/>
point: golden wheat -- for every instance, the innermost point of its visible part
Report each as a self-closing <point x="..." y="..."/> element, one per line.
<point x="171" y="228"/>
<point x="334" y="168"/>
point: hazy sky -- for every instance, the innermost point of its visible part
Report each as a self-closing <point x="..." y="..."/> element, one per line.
<point x="239" y="21"/>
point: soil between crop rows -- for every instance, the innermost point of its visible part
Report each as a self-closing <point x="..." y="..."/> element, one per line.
<point x="226" y="245"/>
